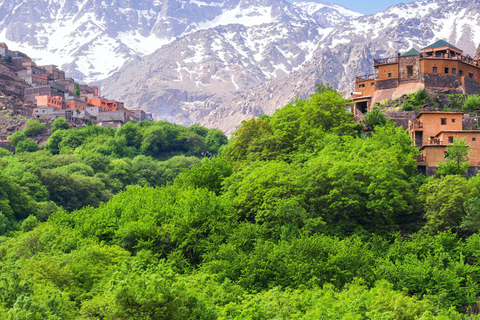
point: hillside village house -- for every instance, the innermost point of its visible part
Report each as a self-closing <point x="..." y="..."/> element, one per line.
<point x="53" y="95"/>
<point x="439" y="67"/>
<point x="434" y="131"/>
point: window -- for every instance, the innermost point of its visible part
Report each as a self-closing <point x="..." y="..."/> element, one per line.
<point x="361" y="85"/>
<point x="409" y="71"/>
<point x="446" y="70"/>
<point x="450" y="139"/>
<point x="470" y="75"/>
<point x="373" y="83"/>
<point x="461" y="73"/>
<point x="474" y="139"/>
<point x="434" y="69"/>
<point x="454" y="71"/>
<point x="443" y="121"/>
<point x="389" y="75"/>
<point x="453" y="120"/>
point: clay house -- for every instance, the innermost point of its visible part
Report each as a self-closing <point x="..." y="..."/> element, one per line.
<point x="113" y="119"/>
<point x="434" y="131"/>
<point x="53" y="72"/>
<point x="439" y="67"/>
<point x="51" y="89"/>
<point x="94" y="110"/>
<point x="49" y="102"/>
<point x="52" y="113"/>
<point x="108" y="105"/>
<point x="73" y="102"/>
<point x="33" y="75"/>
<point x="69" y="84"/>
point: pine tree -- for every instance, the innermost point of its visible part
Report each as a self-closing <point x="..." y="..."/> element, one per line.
<point x="77" y="90"/>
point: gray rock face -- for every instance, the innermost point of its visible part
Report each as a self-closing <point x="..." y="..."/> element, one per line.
<point x="92" y="39"/>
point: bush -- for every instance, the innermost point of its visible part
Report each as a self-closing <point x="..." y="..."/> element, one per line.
<point x="59" y="123"/>
<point x="472" y="103"/>
<point x="33" y="128"/>
<point x="374" y="118"/>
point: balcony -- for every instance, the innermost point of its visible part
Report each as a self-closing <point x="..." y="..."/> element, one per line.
<point x="416" y="126"/>
<point x="365" y="78"/>
<point x="435" y="142"/>
<point x="389" y="60"/>
<point x="462" y="58"/>
<point x="421" y="159"/>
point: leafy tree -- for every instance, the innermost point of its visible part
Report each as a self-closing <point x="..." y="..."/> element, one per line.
<point x="214" y="140"/>
<point x="456" y="159"/>
<point x="373" y="118"/>
<point x="15" y="138"/>
<point x="59" y="124"/>
<point x="77" y="90"/>
<point x="9" y="58"/>
<point x="27" y="145"/>
<point x="471" y="220"/>
<point x="442" y="200"/>
<point x="33" y="127"/>
<point x="30" y="223"/>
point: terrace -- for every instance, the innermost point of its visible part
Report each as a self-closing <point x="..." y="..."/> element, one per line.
<point x="388" y="60"/>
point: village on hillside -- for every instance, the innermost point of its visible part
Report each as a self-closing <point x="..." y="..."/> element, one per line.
<point x="45" y="93"/>
<point x="439" y="68"/>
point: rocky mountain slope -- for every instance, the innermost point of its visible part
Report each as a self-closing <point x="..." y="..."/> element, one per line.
<point x="258" y="81"/>
<point x="91" y="39"/>
<point x="216" y="62"/>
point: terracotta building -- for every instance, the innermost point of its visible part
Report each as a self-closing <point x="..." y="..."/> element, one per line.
<point x="440" y="67"/>
<point x="49" y="102"/>
<point x="434" y="131"/>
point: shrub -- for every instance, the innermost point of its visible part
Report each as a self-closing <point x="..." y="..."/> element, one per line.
<point x="33" y="128"/>
<point x="472" y="103"/>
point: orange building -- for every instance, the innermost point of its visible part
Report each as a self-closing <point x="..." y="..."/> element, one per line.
<point x="438" y="67"/>
<point x="49" y="102"/>
<point x="103" y="103"/>
<point x="76" y="103"/>
<point x="434" y="131"/>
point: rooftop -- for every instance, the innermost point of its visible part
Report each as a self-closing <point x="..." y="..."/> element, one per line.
<point x="440" y="43"/>
<point x="410" y="53"/>
<point x="440" y="112"/>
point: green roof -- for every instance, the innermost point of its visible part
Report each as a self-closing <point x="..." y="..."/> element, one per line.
<point x="410" y="53"/>
<point x="440" y="43"/>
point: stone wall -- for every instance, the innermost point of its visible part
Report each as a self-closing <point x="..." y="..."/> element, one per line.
<point x="471" y="86"/>
<point x="386" y="84"/>
<point x="472" y="171"/>
<point x="440" y="81"/>
<point x="413" y="61"/>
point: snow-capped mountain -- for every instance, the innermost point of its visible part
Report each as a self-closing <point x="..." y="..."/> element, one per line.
<point x="92" y="39"/>
<point x="257" y="81"/>
<point x="217" y="62"/>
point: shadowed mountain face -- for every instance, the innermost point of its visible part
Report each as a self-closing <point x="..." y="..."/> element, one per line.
<point x="218" y="62"/>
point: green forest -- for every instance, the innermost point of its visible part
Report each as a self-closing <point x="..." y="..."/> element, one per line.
<point x="303" y="214"/>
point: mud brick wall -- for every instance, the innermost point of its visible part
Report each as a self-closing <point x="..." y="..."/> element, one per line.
<point x="386" y="84"/>
<point x="441" y="81"/>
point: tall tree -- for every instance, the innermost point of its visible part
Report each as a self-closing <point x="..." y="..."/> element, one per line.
<point x="456" y="159"/>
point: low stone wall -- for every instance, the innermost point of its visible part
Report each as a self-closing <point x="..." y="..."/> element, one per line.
<point x="472" y="171"/>
<point x="440" y="81"/>
<point x="386" y="84"/>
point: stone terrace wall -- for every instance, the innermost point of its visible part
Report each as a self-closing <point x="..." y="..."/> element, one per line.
<point x="440" y="81"/>
<point x="386" y="84"/>
<point x="471" y="86"/>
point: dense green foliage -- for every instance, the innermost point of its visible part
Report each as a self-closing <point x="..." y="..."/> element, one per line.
<point x="300" y="216"/>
